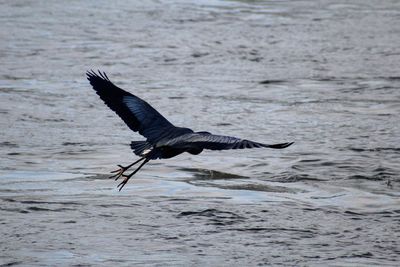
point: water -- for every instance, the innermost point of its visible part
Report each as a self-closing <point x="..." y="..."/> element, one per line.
<point x="322" y="74"/>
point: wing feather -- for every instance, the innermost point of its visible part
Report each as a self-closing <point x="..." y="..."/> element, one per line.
<point x="137" y="114"/>
<point x="203" y="140"/>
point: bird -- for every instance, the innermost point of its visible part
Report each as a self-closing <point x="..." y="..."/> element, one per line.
<point x="163" y="139"/>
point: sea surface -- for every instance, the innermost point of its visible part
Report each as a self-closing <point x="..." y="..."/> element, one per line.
<point x="324" y="74"/>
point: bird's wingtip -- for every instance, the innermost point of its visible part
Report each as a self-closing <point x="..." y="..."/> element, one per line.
<point x="289" y="144"/>
<point x="90" y="74"/>
<point x="282" y="145"/>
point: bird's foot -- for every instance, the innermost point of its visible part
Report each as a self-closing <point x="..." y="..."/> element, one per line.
<point x="119" y="172"/>
<point x="128" y="176"/>
<point x="123" y="183"/>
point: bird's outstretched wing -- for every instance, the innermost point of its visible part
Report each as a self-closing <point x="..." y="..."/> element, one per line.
<point x="135" y="112"/>
<point x="204" y="140"/>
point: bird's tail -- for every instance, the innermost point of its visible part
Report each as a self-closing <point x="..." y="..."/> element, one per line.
<point x="279" y="146"/>
<point x="139" y="147"/>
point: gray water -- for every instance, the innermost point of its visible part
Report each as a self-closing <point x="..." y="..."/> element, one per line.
<point x="325" y="74"/>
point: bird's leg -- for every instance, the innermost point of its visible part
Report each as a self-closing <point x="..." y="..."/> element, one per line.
<point x="122" y="169"/>
<point x="127" y="177"/>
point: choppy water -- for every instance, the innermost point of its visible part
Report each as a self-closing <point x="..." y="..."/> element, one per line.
<point x="325" y="75"/>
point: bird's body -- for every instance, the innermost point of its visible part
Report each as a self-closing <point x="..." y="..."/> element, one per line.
<point x="163" y="139"/>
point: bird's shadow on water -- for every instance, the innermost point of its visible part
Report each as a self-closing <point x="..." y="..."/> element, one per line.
<point x="206" y="174"/>
<point x="229" y="181"/>
<point x="213" y="216"/>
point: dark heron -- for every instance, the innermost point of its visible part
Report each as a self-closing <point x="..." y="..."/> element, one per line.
<point x="163" y="139"/>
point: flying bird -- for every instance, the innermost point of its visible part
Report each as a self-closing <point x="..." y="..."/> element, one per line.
<point x="163" y="139"/>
